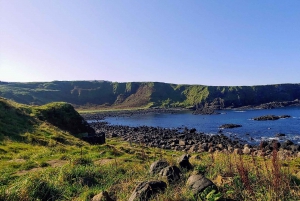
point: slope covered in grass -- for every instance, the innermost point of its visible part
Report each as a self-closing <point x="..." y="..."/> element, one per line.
<point x="51" y="123"/>
<point x="40" y="159"/>
<point x="89" y="94"/>
<point x="79" y="173"/>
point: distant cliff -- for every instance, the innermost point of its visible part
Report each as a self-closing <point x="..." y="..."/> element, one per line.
<point x="145" y="94"/>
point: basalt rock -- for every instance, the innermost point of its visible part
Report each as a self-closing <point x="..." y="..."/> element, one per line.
<point x="157" y="166"/>
<point x="230" y="126"/>
<point x="95" y="139"/>
<point x="103" y="196"/>
<point x="198" y="183"/>
<point x="170" y="173"/>
<point x="184" y="162"/>
<point x="271" y="117"/>
<point x="146" y="189"/>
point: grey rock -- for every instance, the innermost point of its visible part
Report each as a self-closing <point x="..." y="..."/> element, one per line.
<point x="146" y="189"/>
<point x="198" y="183"/>
<point x="157" y="166"/>
<point x="184" y="162"/>
<point x="170" y="173"/>
<point x="103" y="196"/>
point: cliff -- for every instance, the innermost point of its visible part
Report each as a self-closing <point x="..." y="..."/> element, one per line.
<point x="145" y="94"/>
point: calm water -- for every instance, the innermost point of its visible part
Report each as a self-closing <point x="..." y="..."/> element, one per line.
<point x="251" y="131"/>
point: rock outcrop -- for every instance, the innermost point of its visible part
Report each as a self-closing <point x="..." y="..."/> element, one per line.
<point x="157" y="166"/>
<point x="145" y="190"/>
<point x="198" y="183"/>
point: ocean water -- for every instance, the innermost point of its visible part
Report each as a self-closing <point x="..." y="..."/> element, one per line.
<point x="251" y="131"/>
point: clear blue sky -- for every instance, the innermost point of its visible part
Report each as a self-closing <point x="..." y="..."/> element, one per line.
<point x="209" y="42"/>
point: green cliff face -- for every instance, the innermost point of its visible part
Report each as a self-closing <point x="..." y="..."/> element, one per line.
<point x="144" y="94"/>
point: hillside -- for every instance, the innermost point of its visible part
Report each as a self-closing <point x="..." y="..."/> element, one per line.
<point x="90" y="94"/>
<point x="42" y="159"/>
<point x="53" y="123"/>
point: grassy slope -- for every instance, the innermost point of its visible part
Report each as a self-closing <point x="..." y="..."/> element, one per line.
<point x="93" y="94"/>
<point x="51" y="123"/>
<point x="39" y="161"/>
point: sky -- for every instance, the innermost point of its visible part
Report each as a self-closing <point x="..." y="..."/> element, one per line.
<point x="209" y="42"/>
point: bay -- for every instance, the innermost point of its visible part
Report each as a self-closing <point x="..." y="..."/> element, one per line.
<point x="251" y="131"/>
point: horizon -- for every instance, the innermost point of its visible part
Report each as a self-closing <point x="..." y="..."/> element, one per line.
<point x="146" y="82"/>
<point x="196" y="43"/>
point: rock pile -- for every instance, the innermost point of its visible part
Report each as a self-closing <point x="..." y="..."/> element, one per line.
<point x="172" y="174"/>
<point x="180" y="139"/>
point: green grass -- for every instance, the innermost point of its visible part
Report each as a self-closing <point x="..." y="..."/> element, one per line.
<point x="117" y="167"/>
<point x="40" y="161"/>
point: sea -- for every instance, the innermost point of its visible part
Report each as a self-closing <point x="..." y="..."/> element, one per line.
<point x="251" y="132"/>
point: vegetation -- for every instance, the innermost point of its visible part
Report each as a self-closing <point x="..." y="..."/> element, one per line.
<point x="40" y="161"/>
<point x="103" y="94"/>
<point x="54" y="123"/>
<point x="30" y="172"/>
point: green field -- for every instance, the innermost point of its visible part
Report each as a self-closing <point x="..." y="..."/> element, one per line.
<point x="43" y="158"/>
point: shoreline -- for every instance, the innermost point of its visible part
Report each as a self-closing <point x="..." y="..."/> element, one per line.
<point x="191" y="141"/>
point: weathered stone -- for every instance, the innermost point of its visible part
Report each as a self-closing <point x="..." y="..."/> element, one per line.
<point x="230" y="126"/>
<point x="237" y="151"/>
<point x="157" y="166"/>
<point x="198" y="183"/>
<point x="145" y="190"/>
<point x="266" y="117"/>
<point x="246" y="150"/>
<point x="184" y="162"/>
<point x="182" y="143"/>
<point x="193" y="149"/>
<point x="170" y="173"/>
<point x="103" y="196"/>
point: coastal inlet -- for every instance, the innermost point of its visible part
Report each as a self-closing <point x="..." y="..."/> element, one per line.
<point x="250" y="131"/>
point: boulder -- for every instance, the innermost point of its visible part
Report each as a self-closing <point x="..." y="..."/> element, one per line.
<point x="280" y="135"/>
<point x="237" y="151"/>
<point x="182" y="143"/>
<point x="103" y="196"/>
<point x="230" y="126"/>
<point x="184" y="162"/>
<point x="146" y="189"/>
<point x="198" y="183"/>
<point x="266" y="117"/>
<point x="95" y="139"/>
<point x="246" y="150"/>
<point x="287" y="144"/>
<point x="170" y="173"/>
<point x="157" y="166"/>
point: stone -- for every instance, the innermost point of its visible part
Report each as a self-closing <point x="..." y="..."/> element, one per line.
<point x="230" y="126"/>
<point x="193" y="149"/>
<point x="280" y="135"/>
<point x="170" y="173"/>
<point x="246" y="150"/>
<point x="184" y="162"/>
<point x="95" y="139"/>
<point x="103" y="196"/>
<point x="182" y="143"/>
<point x="266" y="117"/>
<point x="157" y="166"/>
<point x="198" y="183"/>
<point x="237" y="151"/>
<point x="146" y="189"/>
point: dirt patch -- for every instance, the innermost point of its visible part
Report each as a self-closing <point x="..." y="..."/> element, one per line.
<point x="19" y="160"/>
<point x="22" y="172"/>
<point x="57" y="163"/>
<point x="52" y="163"/>
<point x="104" y="161"/>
